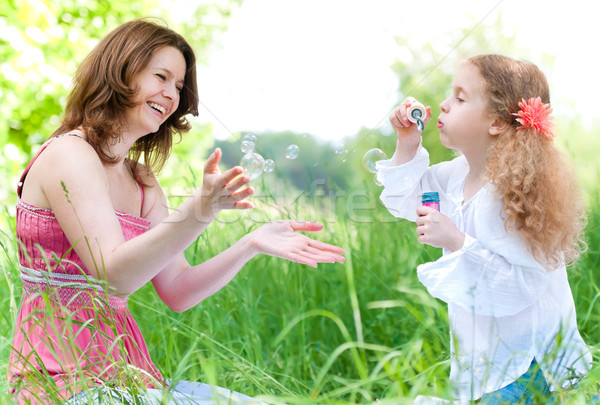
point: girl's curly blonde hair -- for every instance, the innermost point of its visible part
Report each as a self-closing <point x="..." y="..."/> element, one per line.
<point x="535" y="180"/>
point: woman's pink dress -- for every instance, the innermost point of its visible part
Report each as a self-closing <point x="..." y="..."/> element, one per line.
<point x="69" y="332"/>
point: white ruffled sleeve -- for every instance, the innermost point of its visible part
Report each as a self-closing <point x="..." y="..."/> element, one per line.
<point x="493" y="275"/>
<point x="404" y="184"/>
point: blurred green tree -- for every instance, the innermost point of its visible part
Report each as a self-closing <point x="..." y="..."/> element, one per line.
<point x="42" y="41"/>
<point x="425" y="72"/>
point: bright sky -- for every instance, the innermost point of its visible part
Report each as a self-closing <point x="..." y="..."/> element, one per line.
<point x="323" y="66"/>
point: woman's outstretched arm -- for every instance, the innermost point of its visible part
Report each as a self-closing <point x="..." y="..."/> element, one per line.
<point x="77" y="190"/>
<point x="181" y="286"/>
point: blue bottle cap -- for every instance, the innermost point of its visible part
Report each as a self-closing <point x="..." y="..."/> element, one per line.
<point x="431" y="196"/>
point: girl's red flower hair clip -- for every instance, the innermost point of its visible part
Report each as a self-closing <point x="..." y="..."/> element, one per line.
<point x="536" y="115"/>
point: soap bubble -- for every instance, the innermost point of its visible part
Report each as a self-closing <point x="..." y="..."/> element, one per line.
<point x="249" y="137"/>
<point x="269" y="165"/>
<point x="339" y="148"/>
<point x="378" y="182"/>
<point x="247" y="146"/>
<point x="253" y="165"/>
<point x="292" y="152"/>
<point x="371" y="157"/>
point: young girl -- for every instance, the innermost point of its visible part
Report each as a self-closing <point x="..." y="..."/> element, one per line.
<point x="93" y="227"/>
<point x="510" y="220"/>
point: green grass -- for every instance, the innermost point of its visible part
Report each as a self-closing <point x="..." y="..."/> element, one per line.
<point x="358" y="332"/>
<point x="348" y="332"/>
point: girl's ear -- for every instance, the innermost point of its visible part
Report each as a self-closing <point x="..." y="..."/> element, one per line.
<point x="498" y="126"/>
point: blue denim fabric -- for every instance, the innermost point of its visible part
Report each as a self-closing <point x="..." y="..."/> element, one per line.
<point x="530" y="388"/>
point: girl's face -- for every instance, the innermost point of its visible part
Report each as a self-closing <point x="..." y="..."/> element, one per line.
<point x="464" y="122"/>
<point x="158" y="86"/>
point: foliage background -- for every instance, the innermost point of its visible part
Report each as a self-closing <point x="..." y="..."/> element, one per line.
<point x="359" y="332"/>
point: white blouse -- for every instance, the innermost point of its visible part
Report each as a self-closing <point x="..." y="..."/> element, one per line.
<point x="504" y="308"/>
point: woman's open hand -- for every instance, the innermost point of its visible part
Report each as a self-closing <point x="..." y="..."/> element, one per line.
<point x="281" y="239"/>
<point x="222" y="190"/>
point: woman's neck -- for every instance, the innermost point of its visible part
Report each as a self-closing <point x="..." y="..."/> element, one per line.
<point x="120" y="149"/>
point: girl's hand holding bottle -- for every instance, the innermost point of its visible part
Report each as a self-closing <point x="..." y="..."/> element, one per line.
<point x="436" y="229"/>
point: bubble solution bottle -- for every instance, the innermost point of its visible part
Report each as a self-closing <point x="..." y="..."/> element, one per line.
<point x="431" y="199"/>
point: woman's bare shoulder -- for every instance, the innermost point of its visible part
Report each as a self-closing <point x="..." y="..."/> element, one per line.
<point x="66" y="161"/>
<point x="68" y="150"/>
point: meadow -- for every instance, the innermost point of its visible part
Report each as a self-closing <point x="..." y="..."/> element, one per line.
<point x="361" y="332"/>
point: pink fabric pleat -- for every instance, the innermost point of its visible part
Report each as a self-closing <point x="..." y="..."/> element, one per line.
<point x="68" y="334"/>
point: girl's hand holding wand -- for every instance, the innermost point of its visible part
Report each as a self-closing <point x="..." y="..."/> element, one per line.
<point x="409" y="136"/>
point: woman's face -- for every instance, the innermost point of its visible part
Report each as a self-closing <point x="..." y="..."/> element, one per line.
<point x="158" y="88"/>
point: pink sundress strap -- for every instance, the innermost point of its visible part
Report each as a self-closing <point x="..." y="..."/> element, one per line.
<point x="28" y="167"/>
<point x="140" y="184"/>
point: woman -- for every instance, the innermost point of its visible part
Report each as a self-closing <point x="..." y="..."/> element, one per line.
<point x="94" y="227"/>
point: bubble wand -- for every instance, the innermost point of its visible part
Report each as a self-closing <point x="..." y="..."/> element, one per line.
<point x="416" y="114"/>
